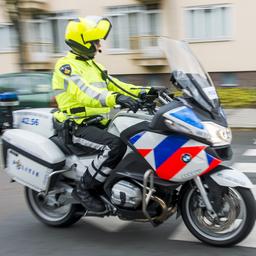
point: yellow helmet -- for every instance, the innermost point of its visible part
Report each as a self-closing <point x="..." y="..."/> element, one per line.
<point x="81" y="32"/>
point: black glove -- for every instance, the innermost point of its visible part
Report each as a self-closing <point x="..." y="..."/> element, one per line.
<point x="154" y="91"/>
<point x="127" y="102"/>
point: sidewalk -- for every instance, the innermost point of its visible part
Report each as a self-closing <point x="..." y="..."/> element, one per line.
<point x="241" y="118"/>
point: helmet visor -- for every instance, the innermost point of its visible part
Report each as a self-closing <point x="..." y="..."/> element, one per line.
<point x="97" y="28"/>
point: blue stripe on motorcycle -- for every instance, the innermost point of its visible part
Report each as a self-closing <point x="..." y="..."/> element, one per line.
<point x="136" y="137"/>
<point x="209" y="158"/>
<point x="168" y="147"/>
<point x="188" y="116"/>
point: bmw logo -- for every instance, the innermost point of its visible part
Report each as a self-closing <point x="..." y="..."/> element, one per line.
<point x="186" y="158"/>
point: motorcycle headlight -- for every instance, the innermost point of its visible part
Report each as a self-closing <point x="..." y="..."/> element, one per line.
<point x="218" y="135"/>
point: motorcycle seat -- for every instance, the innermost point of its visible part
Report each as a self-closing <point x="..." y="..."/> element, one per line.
<point x="71" y="149"/>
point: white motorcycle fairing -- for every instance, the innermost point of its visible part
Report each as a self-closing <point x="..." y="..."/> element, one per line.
<point x="231" y="178"/>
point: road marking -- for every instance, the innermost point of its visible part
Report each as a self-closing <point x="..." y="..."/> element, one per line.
<point x="250" y="152"/>
<point x="245" y="167"/>
<point x="113" y="224"/>
<point x="108" y="224"/>
<point x="183" y="234"/>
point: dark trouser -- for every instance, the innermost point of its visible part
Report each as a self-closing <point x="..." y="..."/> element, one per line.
<point x="110" y="151"/>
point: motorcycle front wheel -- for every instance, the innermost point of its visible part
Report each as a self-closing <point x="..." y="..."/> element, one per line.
<point x="235" y="219"/>
<point x="52" y="215"/>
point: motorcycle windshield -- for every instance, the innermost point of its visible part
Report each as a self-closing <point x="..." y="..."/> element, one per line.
<point x="189" y="74"/>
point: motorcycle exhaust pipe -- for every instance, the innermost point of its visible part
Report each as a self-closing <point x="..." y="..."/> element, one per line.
<point x="165" y="214"/>
<point x="148" y="190"/>
<point x="163" y="205"/>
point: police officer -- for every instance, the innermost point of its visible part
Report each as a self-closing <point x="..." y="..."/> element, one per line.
<point x="83" y="89"/>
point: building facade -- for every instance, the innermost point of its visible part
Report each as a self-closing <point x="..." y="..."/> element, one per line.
<point x="219" y="32"/>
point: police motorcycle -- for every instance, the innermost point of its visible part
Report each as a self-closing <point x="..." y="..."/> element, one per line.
<point x="173" y="164"/>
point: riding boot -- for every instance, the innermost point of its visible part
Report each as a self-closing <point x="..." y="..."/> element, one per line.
<point x="84" y="193"/>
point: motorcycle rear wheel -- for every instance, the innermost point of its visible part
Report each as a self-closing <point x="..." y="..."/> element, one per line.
<point x="63" y="216"/>
<point x="240" y="210"/>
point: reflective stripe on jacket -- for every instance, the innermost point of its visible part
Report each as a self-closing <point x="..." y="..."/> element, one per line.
<point x="80" y="84"/>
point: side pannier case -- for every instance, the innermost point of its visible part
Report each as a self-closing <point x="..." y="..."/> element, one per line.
<point x="30" y="158"/>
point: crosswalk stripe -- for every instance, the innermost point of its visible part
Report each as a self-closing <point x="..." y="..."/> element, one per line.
<point x="245" y="167"/>
<point x="113" y="224"/>
<point x="108" y="224"/>
<point x="250" y="152"/>
<point x="182" y="234"/>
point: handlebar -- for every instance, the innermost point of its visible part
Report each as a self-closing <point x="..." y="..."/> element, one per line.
<point x="165" y="98"/>
<point x="148" y="101"/>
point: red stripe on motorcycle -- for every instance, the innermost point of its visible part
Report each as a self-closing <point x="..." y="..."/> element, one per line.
<point x="213" y="164"/>
<point x="174" y="164"/>
<point x="144" y="152"/>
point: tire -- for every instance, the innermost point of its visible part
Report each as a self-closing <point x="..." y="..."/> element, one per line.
<point x="194" y="223"/>
<point x="70" y="214"/>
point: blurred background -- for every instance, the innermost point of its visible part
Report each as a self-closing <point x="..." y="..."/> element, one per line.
<point x="222" y="35"/>
<point x="219" y="32"/>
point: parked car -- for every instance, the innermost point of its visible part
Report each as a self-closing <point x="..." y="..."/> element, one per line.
<point x="33" y="89"/>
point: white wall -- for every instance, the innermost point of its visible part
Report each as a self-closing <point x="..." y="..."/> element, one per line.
<point x="239" y="54"/>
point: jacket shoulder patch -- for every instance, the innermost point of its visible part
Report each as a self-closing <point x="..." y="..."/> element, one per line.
<point x="66" y="69"/>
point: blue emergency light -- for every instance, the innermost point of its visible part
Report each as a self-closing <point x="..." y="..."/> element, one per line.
<point x="8" y="96"/>
<point x="8" y="99"/>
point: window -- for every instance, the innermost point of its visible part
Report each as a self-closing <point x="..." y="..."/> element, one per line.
<point x="229" y="80"/>
<point x="58" y="27"/>
<point x="41" y="83"/>
<point x="22" y="85"/>
<point x="47" y="32"/>
<point x="26" y="83"/>
<point x="134" y="27"/>
<point x="8" y="38"/>
<point x="5" y="83"/>
<point x="39" y="38"/>
<point x="209" y="23"/>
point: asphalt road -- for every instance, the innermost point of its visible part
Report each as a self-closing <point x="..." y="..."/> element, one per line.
<point x="22" y="235"/>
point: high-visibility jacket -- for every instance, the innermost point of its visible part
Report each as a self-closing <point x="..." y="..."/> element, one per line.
<point x="82" y="90"/>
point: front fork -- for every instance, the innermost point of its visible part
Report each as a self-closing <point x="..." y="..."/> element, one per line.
<point x="205" y="198"/>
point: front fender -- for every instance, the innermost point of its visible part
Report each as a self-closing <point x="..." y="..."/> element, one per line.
<point x="229" y="177"/>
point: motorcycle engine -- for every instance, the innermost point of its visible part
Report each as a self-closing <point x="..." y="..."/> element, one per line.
<point x="126" y="194"/>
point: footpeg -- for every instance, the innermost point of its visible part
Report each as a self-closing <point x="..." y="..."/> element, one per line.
<point x="97" y="214"/>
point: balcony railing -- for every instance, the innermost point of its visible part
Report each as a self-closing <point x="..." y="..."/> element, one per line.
<point x="37" y="5"/>
<point x="149" y="53"/>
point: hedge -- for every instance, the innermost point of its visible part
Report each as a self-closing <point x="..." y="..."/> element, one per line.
<point x="237" y="97"/>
